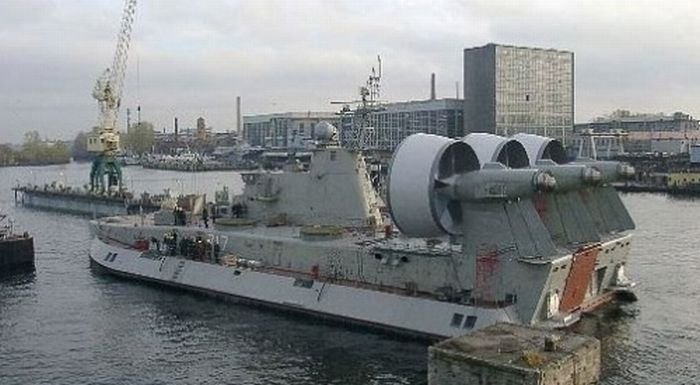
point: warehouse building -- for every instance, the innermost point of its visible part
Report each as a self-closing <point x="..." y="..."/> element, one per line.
<point x="389" y="124"/>
<point x="284" y="130"/>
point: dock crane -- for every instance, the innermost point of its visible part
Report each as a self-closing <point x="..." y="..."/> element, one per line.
<point x="104" y="142"/>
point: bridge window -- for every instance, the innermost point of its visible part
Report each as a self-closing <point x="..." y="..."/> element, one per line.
<point x="456" y="320"/>
<point x="469" y="322"/>
<point x="305" y="283"/>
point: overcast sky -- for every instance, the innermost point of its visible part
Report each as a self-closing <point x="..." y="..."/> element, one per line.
<point x="195" y="57"/>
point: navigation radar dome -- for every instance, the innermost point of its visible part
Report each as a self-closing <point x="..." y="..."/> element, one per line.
<point x="325" y="132"/>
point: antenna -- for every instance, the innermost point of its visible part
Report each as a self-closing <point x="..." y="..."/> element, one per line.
<point x="138" y="87"/>
<point x="357" y="128"/>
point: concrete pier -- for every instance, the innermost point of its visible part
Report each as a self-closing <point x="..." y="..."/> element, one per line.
<point x="79" y="202"/>
<point x="508" y="354"/>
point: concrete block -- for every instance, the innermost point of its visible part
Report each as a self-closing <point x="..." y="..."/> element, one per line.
<point x="508" y="354"/>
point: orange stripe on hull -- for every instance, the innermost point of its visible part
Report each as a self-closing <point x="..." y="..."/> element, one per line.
<point x="579" y="277"/>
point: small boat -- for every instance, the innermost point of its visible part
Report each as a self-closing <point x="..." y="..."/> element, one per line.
<point x="16" y="250"/>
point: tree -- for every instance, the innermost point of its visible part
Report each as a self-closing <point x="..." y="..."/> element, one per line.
<point x="139" y="138"/>
<point x="57" y="152"/>
<point x="32" y="138"/>
<point x="79" y="150"/>
<point x="7" y="155"/>
<point x="37" y="152"/>
<point x="31" y="148"/>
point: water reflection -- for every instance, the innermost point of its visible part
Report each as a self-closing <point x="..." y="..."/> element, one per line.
<point x="173" y="328"/>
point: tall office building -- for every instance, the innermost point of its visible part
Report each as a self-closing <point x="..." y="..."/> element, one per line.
<point x="510" y="89"/>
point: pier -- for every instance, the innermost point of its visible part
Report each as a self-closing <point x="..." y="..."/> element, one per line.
<point x="508" y="354"/>
<point x="78" y="201"/>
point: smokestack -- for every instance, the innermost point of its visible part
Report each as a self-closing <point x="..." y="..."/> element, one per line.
<point x="176" y="128"/>
<point x="238" y="114"/>
<point x="432" y="86"/>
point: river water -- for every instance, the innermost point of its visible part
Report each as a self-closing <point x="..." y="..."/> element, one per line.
<point x="67" y="324"/>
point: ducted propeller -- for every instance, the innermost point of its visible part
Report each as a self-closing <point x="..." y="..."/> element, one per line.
<point x="422" y="166"/>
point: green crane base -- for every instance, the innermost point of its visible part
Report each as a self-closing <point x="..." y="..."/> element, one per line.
<point x="105" y="166"/>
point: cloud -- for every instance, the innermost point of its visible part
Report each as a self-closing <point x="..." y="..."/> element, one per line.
<point x="639" y="55"/>
<point x="191" y="59"/>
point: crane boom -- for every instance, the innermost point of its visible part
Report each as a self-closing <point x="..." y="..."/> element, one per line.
<point x="108" y="89"/>
<point x="108" y="92"/>
<point x="122" y="52"/>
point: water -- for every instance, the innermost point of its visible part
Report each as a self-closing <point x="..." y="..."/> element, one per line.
<point x="66" y="324"/>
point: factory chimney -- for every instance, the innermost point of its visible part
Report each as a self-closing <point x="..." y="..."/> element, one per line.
<point x="238" y="115"/>
<point x="176" y="128"/>
<point x="432" y="86"/>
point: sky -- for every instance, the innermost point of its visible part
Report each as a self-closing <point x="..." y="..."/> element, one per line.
<point x="192" y="58"/>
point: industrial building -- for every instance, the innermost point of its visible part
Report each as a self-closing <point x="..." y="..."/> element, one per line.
<point x="387" y="125"/>
<point x="391" y="123"/>
<point x="623" y="132"/>
<point x="202" y="130"/>
<point x="625" y="121"/>
<point x="284" y="130"/>
<point x="509" y="89"/>
<point x="201" y="138"/>
<point x="670" y="142"/>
